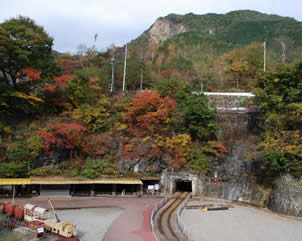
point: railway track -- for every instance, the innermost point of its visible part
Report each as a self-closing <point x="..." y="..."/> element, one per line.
<point x="164" y="220"/>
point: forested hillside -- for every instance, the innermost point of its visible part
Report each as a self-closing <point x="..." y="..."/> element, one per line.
<point x="219" y="50"/>
<point x="59" y="117"/>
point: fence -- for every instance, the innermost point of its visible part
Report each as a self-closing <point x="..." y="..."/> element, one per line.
<point x="155" y="209"/>
<point x="182" y="227"/>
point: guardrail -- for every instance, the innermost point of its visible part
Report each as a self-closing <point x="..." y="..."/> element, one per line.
<point x="182" y="227"/>
<point x="155" y="209"/>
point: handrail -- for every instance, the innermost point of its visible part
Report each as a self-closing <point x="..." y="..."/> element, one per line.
<point x="155" y="209"/>
<point x="182" y="227"/>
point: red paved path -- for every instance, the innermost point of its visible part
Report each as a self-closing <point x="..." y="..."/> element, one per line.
<point x="132" y="225"/>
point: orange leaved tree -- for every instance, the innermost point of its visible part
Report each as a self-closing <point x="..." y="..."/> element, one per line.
<point x="150" y="114"/>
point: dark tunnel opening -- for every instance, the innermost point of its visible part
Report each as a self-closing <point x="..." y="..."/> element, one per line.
<point x="183" y="185"/>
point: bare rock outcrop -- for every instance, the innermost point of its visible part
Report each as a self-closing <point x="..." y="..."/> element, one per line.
<point x="163" y="29"/>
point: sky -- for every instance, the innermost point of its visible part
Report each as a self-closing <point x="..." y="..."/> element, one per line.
<point x="75" y="22"/>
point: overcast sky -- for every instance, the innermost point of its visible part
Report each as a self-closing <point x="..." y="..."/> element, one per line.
<point x="73" y="22"/>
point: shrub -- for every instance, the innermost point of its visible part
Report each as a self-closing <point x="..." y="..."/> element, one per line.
<point x="12" y="169"/>
<point x="198" y="162"/>
<point x="46" y="171"/>
<point x="18" y="151"/>
<point x="94" y="168"/>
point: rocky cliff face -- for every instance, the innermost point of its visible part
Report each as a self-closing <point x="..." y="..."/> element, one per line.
<point x="163" y="29"/>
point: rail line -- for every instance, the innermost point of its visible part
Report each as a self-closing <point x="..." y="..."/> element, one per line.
<point x="165" y="225"/>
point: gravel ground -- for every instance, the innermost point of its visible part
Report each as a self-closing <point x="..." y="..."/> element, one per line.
<point x="240" y="224"/>
<point x="92" y="223"/>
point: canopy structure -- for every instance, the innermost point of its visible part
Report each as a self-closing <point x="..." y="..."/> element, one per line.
<point x="14" y="181"/>
<point x="54" y="180"/>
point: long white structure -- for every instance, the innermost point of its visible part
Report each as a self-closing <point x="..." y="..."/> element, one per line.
<point x="239" y="94"/>
<point x="230" y="101"/>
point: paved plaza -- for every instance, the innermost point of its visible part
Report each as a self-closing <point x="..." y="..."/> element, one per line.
<point x="104" y="218"/>
<point x="241" y="223"/>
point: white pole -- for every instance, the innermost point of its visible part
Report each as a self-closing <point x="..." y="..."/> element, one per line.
<point x="14" y="193"/>
<point x="152" y="53"/>
<point x="141" y="85"/>
<point x="112" y="79"/>
<point x="264" y="57"/>
<point x="125" y="64"/>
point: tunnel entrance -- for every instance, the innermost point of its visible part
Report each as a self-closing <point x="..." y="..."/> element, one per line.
<point x="183" y="185"/>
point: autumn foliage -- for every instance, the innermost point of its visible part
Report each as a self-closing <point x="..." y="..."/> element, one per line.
<point x="67" y="135"/>
<point x="150" y="114"/>
<point x="62" y="80"/>
<point x="30" y="73"/>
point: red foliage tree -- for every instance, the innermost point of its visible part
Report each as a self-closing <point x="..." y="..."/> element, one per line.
<point x="63" y="80"/>
<point x="69" y="135"/>
<point x="149" y="113"/>
<point x="139" y="148"/>
<point x="30" y="73"/>
<point x="98" y="145"/>
<point x="51" y="88"/>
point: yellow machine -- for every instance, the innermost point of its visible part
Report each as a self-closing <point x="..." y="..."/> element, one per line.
<point x="64" y="228"/>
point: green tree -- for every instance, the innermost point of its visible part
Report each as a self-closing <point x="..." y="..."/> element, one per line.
<point x="199" y="118"/>
<point x="22" y="44"/>
<point x="279" y="95"/>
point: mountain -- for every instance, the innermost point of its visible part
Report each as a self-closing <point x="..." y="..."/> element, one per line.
<point x="237" y="27"/>
<point x="223" y="51"/>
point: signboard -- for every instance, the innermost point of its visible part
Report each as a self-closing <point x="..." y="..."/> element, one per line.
<point x="150" y="187"/>
<point x="156" y="187"/>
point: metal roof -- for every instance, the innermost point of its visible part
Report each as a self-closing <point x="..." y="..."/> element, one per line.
<point x="14" y="181"/>
<point x="82" y="180"/>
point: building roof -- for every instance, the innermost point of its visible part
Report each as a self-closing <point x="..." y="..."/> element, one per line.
<point x="83" y="180"/>
<point x="14" y="181"/>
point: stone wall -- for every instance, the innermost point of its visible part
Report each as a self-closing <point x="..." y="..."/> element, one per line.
<point x="213" y="190"/>
<point x="286" y="196"/>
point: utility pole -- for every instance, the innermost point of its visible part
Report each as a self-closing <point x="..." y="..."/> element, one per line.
<point x="283" y="56"/>
<point x="142" y="65"/>
<point x="264" y="56"/>
<point x="125" y="64"/>
<point x="112" y="87"/>
<point x="152" y="58"/>
<point x="94" y="43"/>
